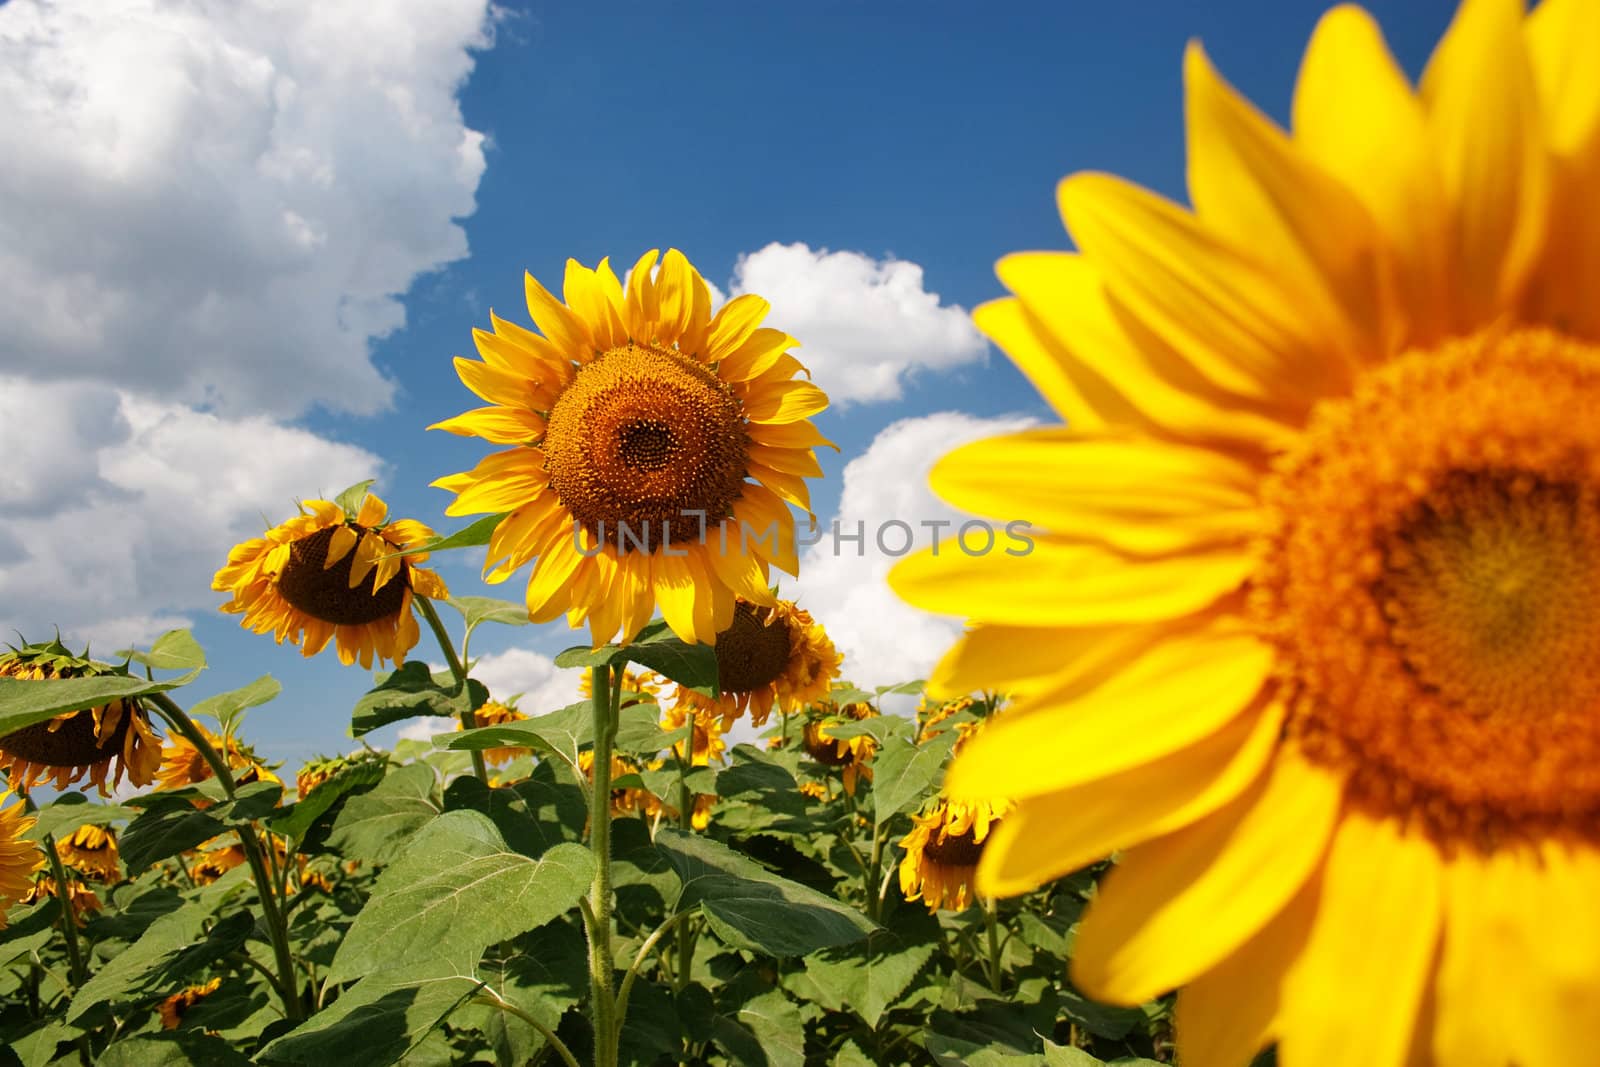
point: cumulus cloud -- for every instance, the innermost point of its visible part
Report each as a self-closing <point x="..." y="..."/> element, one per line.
<point x="222" y="203"/>
<point x="885" y="495"/>
<point x="543" y="686"/>
<point x="115" y="511"/>
<point x="866" y="325"/>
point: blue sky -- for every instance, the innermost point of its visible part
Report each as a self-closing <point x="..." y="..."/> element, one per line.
<point x="925" y="134"/>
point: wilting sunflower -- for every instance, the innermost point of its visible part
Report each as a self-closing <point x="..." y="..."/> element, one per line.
<point x="92" y="850"/>
<point x="1312" y="630"/>
<point x="851" y="755"/>
<point x="654" y="452"/>
<point x="19" y="857"/>
<point x="79" y="895"/>
<point x="182" y="764"/>
<point x="769" y="655"/>
<point x="942" y="852"/>
<point x="102" y="743"/>
<point x="325" y="576"/>
<point x="175" y="1007"/>
<point x="705" y="740"/>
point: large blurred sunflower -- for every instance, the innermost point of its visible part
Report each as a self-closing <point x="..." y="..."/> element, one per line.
<point x="654" y="450"/>
<point x="776" y="655"/>
<point x="327" y="576"/>
<point x="19" y="857"/>
<point x="103" y="742"/>
<point x="1311" y="632"/>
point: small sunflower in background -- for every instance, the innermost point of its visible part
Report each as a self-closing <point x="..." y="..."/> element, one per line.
<point x="851" y="756"/>
<point x="80" y="896"/>
<point x="182" y="764"/>
<point x="769" y="656"/>
<point x="655" y="450"/>
<point x="19" y="856"/>
<point x="932" y="716"/>
<point x="705" y="743"/>
<point x="175" y="1007"/>
<point x="366" y="765"/>
<point x="635" y="684"/>
<point x="214" y="862"/>
<point x="494" y="713"/>
<point x="947" y="839"/>
<point x="92" y="851"/>
<point x="626" y="801"/>
<point x="101" y="743"/>
<point x="1308" y="630"/>
<point x="326" y="576"/>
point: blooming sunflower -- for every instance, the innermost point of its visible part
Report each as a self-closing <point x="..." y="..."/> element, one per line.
<point x="324" y="576"/>
<point x="852" y="755"/>
<point x="102" y="743"/>
<point x="182" y="764"/>
<point x="654" y="450"/>
<point x="1311" y="632"/>
<point x="705" y="742"/>
<point x="79" y="895"/>
<point x="92" y="850"/>
<point x="626" y="801"/>
<point x="175" y="1007"/>
<point x="19" y="857"/>
<point x="768" y="655"/>
<point x="942" y="852"/>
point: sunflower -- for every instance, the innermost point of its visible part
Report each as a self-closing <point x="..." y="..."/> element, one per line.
<point x="626" y="801"/>
<point x="493" y="713"/>
<point x="183" y="765"/>
<point x="81" y="896"/>
<point x="102" y="743"/>
<point x="365" y="765"/>
<point x="814" y="790"/>
<point x="213" y="863"/>
<point x="637" y="684"/>
<point x="853" y="755"/>
<point x="942" y="852"/>
<point x="705" y="741"/>
<point x="325" y="576"/>
<point x="92" y="850"/>
<point x="773" y="655"/>
<point x="19" y="857"/>
<point x="654" y="452"/>
<point x="175" y="1007"/>
<point x="933" y="715"/>
<point x="1309" y="628"/>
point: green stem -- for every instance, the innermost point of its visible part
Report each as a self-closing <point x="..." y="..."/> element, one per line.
<point x="277" y="928"/>
<point x="603" y="1005"/>
<point x="991" y="927"/>
<point x="496" y="1000"/>
<point x="469" y="721"/>
<point x="69" y="919"/>
<point x="638" y="962"/>
<point x="876" y="863"/>
<point x="685" y="950"/>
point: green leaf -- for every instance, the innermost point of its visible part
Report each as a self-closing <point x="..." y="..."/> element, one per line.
<point x="776" y="1023"/>
<point x="533" y="815"/>
<point x="39" y="1046"/>
<point x="168" y="825"/>
<point x="657" y="648"/>
<point x="1102" y="1020"/>
<point x="751" y="908"/>
<point x="1066" y="1056"/>
<point x="905" y="688"/>
<point x="639" y="733"/>
<point x="850" y="1055"/>
<point x="33" y="932"/>
<point x="543" y="972"/>
<point x="350" y="499"/>
<point x="377" y="1020"/>
<point x="481" y="609"/>
<point x="25" y="701"/>
<point x="457" y="889"/>
<point x="227" y="707"/>
<point x="849" y="694"/>
<point x="409" y="691"/>
<point x="175" y="650"/>
<point x="478" y="533"/>
<point x="868" y="979"/>
<point x="760" y="782"/>
<point x="879" y="727"/>
<point x="564" y="731"/>
<point x="72" y="810"/>
<point x="958" y="1052"/>
<point x="179" y="1048"/>
<point x="374" y="826"/>
<point x="295" y="820"/>
<point x="167" y="957"/>
<point x="905" y="772"/>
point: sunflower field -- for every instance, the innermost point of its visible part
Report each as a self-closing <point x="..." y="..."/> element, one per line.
<point x="1272" y="735"/>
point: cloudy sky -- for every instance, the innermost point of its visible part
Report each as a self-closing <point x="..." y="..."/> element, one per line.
<point x="240" y="241"/>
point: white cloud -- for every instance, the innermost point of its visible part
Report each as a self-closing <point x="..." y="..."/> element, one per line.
<point x="222" y="203"/>
<point x="843" y="584"/>
<point x="115" y="511"/>
<point x="865" y="325"/>
<point x="543" y="686"/>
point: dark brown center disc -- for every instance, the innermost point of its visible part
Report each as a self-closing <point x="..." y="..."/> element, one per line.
<point x="71" y="744"/>
<point x="326" y="594"/>
<point x="956" y="850"/>
<point x="751" y="654"/>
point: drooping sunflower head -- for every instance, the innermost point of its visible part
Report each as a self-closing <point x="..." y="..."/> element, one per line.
<point x="850" y="754"/>
<point x="326" y="575"/>
<point x="942" y="850"/>
<point x="705" y="743"/>
<point x="183" y="765"/>
<point x="81" y="897"/>
<point x="92" y="850"/>
<point x="175" y="1007"/>
<point x="365" y="765"/>
<point x="655" y="450"/>
<point x="103" y="743"/>
<point x="19" y="857"/>
<point x="769" y="656"/>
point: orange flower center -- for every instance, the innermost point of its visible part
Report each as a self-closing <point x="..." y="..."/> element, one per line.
<point x="642" y="444"/>
<point x="324" y="592"/>
<point x="1431" y="580"/>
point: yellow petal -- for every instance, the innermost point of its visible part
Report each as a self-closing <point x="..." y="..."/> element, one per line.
<point x="755" y="356"/>
<point x="765" y="527"/>
<point x="552" y="577"/>
<point x="1175" y="694"/>
<point x="788" y="435"/>
<point x="643" y="304"/>
<point x="586" y="296"/>
<point x="1019" y="658"/>
<point x="1563" y="37"/>
<point x="1053" y="834"/>
<point x="1232" y="320"/>
<point x="427" y="583"/>
<point x="373" y="511"/>
<point x="785" y="401"/>
<point x="1227" y="1015"/>
<point x="502" y="481"/>
<point x="1068" y="585"/>
<point x="1176" y="906"/>
<point x="495" y="385"/>
<point x="1249" y="184"/>
<point x="734" y="324"/>
<point x="735" y="568"/>
<point x="673" y="583"/>
<point x="556" y="321"/>
<point x="1355" y="116"/>
<point x="339" y="546"/>
<point x="1483" y="117"/>
<point x="498" y="425"/>
<point x="1353" y="994"/>
<point x="369" y="550"/>
<point x="789" y="460"/>
<point x="675" y="286"/>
